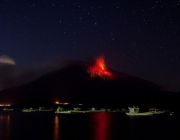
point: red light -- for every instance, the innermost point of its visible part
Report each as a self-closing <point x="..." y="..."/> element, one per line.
<point x="102" y="124"/>
<point x="99" y="69"/>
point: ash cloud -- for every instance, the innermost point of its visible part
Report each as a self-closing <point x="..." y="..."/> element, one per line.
<point x="14" y="75"/>
<point x="4" y="59"/>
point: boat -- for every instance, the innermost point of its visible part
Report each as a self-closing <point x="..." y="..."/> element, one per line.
<point x="78" y="110"/>
<point x="156" y="111"/>
<point x="8" y="109"/>
<point x="63" y="112"/>
<point x="160" y="112"/>
<point x="28" y="110"/>
<point x="94" y="110"/>
<point x="42" y="109"/>
<point x="134" y="111"/>
<point x="60" y="110"/>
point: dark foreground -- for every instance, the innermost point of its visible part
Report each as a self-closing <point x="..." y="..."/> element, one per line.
<point x="90" y="126"/>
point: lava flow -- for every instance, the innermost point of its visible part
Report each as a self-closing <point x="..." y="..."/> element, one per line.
<point x="99" y="69"/>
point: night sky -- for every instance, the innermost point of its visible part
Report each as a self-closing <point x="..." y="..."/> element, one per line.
<point x="137" y="37"/>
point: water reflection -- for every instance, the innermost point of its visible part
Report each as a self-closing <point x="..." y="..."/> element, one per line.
<point x="5" y="127"/>
<point x="8" y="127"/>
<point x="56" y="128"/>
<point x="101" y="126"/>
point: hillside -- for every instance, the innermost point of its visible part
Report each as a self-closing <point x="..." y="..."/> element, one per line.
<point x="73" y="83"/>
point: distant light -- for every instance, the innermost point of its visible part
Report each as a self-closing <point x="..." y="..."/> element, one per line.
<point x="80" y="104"/>
<point x="66" y="103"/>
<point x="5" y="105"/>
<point x="57" y="102"/>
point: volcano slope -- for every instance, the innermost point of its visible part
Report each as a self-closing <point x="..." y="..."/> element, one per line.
<point x="75" y="84"/>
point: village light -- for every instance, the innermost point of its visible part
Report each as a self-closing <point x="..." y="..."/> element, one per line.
<point x="57" y="102"/>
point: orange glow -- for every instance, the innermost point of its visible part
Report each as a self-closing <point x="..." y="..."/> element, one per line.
<point x="5" y="105"/>
<point x="56" y="128"/>
<point x="57" y="102"/>
<point x="99" y="69"/>
<point x="7" y="127"/>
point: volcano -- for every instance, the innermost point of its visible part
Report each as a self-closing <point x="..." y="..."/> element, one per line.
<point x="74" y="84"/>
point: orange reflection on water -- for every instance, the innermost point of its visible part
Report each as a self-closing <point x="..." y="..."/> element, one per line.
<point x="8" y="127"/>
<point x="102" y="124"/>
<point x="56" y="128"/>
<point x="5" y="124"/>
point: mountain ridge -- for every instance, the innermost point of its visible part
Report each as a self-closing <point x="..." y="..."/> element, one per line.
<point x="73" y="83"/>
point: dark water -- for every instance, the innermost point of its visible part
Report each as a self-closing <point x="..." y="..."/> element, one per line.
<point x="93" y="126"/>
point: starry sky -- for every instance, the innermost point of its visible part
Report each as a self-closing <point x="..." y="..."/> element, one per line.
<point x="137" y="37"/>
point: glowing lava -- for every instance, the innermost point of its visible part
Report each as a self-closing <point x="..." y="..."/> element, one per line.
<point x="99" y="69"/>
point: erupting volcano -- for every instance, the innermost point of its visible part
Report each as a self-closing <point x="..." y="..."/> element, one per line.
<point x="99" y="69"/>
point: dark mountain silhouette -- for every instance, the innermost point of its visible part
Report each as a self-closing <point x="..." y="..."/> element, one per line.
<point x="74" y="84"/>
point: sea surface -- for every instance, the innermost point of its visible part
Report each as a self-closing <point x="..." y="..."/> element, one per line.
<point x="90" y="126"/>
